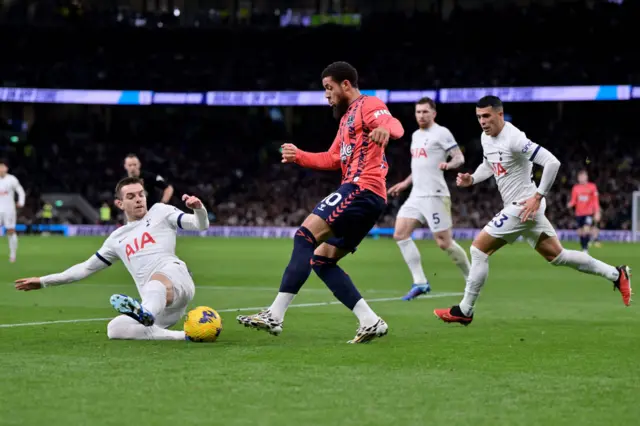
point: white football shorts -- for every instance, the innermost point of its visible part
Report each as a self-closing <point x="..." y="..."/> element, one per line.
<point x="8" y="219"/>
<point x="183" y="292"/>
<point x="433" y="211"/>
<point x="507" y="226"/>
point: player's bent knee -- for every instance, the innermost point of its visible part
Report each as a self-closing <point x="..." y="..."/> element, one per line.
<point x="319" y="263"/>
<point x="166" y="281"/>
<point x="549" y="247"/>
<point x="401" y="235"/>
<point x="443" y="241"/>
<point x="318" y="227"/>
<point x="478" y="255"/>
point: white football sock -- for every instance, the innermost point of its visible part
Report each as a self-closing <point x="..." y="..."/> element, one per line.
<point x="154" y="297"/>
<point x="477" y="277"/>
<point x="411" y="255"/>
<point x="459" y="257"/>
<point x="280" y="305"/>
<point x="365" y="314"/>
<point x="585" y="263"/>
<point x="13" y="244"/>
<point x="126" y="328"/>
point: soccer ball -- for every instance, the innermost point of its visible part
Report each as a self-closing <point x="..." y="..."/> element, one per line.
<point x="203" y="324"/>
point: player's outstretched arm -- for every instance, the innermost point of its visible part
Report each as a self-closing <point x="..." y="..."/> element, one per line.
<point x="329" y="160"/>
<point x="574" y="197"/>
<point x="457" y="160"/>
<point x="396" y="189"/>
<point x="198" y="221"/>
<point x="21" y="195"/>
<point x="482" y="173"/>
<point x="73" y="274"/>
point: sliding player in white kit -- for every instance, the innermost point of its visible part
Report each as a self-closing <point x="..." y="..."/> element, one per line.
<point x="9" y="187"/>
<point x="508" y="156"/>
<point x="146" y="245"/>
<point x="430" y="200"/>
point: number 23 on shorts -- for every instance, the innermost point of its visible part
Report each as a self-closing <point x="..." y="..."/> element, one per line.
<point x="499" y="220"/>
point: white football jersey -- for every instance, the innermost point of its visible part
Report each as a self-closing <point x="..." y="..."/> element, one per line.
<point x="510" y="156"/>
<point x="9" y="186"/>
<point x="145" y="245"/>
<point x="429" y="148"/>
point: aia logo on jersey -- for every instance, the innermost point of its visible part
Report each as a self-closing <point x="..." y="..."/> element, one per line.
<point x="419" y="153"/>
<point x="4" y="192"/>
<point x="498" y="170"/>
<point x="346" y="150"/>
<point x="138" y="245"/>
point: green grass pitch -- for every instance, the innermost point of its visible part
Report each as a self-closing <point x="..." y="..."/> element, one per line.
<point x="548" y="346"/>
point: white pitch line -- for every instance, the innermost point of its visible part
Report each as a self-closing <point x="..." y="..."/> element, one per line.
<point x="256" y="308"/>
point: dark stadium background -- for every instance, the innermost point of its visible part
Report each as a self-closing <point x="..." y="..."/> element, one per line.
<point x="229" y="155"/>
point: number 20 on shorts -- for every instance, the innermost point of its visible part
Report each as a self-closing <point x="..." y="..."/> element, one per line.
<point x="332" y="199"/>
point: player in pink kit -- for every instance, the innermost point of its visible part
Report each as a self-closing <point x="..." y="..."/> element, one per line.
<point x="146" y="245"/>
<point x="344" y="218"/>
<point x="585" y="199"/>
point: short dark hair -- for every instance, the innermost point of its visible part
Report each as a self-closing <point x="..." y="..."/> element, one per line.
<point x="490" y="101"/>
<point x="3" y="161"/>
<point x="127" y="181"/>
<point x="341" y="71"/>
<point x="131" y="155"/>
<point x="427" y="101"/>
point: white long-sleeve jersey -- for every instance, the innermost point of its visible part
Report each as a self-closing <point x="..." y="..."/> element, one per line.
<point x="509" y="157"/>
<point x="9" y="187"/>
<point x="144" y="245"/>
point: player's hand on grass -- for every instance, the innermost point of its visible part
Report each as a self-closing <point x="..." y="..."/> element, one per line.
<point x="380" y="136"/>
<point x="289" y="152"/>
<point x="192" y="202"/>
<point x="396" y="189"/>
<point x="464" y="180"/>
<point x="531" y="206"/>
<point x="28" y="284"/>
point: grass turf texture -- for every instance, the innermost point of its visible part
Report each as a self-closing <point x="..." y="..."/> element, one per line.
<point x="548" y="346"/>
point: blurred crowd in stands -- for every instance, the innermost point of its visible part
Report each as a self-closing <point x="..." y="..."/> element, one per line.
<point x="230" y="156"/>
<point x="571" y="43"/>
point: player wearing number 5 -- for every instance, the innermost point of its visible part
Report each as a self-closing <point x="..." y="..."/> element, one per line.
<point x="343" y="219"/>
<point x="430" y="200"/>
<point x="508" y="157"/>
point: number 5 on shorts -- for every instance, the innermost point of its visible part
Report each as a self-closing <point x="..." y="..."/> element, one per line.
<point x="436" y="219"/>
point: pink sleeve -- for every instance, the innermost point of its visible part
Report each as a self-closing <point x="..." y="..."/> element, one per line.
<point x="329" y="160"/>
<point x="596" y="199"/>
<point x="574" y="196"/>
<point x="376" y="114"/>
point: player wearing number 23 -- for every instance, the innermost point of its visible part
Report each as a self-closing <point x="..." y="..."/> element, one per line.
<point x="508" y="157"/>
<point x="341" y="220"/>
